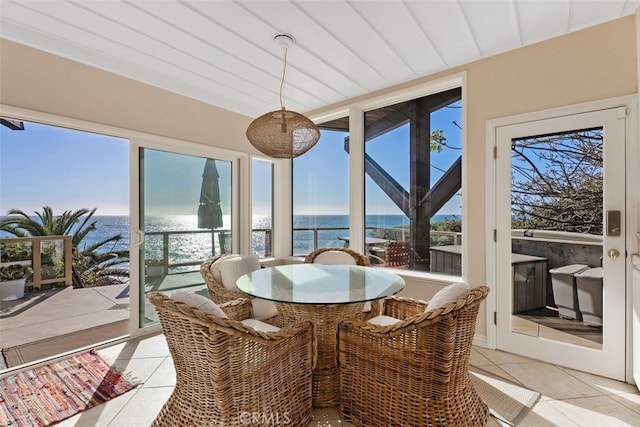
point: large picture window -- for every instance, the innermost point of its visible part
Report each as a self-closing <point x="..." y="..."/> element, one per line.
<point x="410" y="195"/>
<point x="262" y="208"/>
<point x="413" y="183"/>
<point x="321" y="193"/>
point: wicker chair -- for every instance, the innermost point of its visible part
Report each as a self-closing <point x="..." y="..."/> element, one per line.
<point x="221" y="294"/>
<point x="320" y="255"/>
<point x="345" y="256"/>
<point x="414" y="372"/>
<point x="226" y="371"/>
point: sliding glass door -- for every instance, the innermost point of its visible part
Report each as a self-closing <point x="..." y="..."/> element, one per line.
<point x="185" y="218"/>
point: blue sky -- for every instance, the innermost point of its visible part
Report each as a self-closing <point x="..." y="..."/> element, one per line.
<point x="69" y="170"/>
<point x="64" y="169"/>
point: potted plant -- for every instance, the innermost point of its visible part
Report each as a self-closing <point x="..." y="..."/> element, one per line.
<point x="154" y="268"/>
<point x="12" y="281"/>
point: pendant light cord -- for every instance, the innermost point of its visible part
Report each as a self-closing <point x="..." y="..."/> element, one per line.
<point x="284" y="70"/>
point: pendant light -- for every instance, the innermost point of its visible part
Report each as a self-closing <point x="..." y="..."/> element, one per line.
<point x="283" y="133"/>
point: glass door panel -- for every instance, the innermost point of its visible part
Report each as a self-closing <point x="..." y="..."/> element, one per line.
<point x="561" y="292"/>
<point x="556" y="231"/>
<point x="413" y="184"/>
<point x="320" y="191"/>
<point x="185" y="217"/>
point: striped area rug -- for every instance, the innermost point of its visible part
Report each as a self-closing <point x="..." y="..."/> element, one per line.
<point x="49" y="394"/>
<point x="509" y="402"/>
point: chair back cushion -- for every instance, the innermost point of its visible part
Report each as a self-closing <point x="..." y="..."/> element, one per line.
<point x="232" y="267"/>
<point x="447" y="295"/>
<point x="198" y="301"/>
<point x="215" y="267"/>
<point x="263" y="309"/>
<point x="335" y="258"/>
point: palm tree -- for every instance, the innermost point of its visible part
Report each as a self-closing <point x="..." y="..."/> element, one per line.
<point x="93" y="265"/>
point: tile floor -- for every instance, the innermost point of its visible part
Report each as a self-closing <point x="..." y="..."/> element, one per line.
<point x="569" y="398"/>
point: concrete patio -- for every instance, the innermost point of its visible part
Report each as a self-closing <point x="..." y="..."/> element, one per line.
<point x="49" y="322"/>
<point x="44" y="323"/>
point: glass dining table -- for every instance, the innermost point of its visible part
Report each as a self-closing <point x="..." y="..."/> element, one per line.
<point x="324" y="295"/>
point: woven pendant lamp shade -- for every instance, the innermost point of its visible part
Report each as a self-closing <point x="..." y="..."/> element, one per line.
<point x="283" y="134"/>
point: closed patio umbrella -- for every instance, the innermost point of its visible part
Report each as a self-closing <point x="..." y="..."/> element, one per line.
<point x="209" y="211"/>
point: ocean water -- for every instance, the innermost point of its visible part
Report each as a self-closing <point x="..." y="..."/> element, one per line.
<point x="186" y="243"/>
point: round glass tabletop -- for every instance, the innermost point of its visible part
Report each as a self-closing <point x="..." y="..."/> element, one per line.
<point x="320" y="284"/>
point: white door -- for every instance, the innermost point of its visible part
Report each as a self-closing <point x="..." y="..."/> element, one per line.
<point x="560" y="215"/>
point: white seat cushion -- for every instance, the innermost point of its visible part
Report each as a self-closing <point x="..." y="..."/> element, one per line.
<point x="334" y="258"/>
<point x="233" y="267"/>
<point x="367" y="307"/>
<point x="198" y="301"/>
<point x="259" y="326"/>
<point x="447" y="295"/>
<point x="383" y="320"/>
<point x="263" y="309"/>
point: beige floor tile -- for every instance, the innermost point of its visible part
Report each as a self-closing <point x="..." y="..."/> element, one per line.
<point x="499" y="357"/>
<point x="604" y="385"/>
<point x="545" y="415"/>
<point x="154" y="346"/>
<point x="630" y="400"/>
<point x="597" y="411"/>
<point x="584" y="402"/>
<point x="101" y="415"/>
<point x="143" y="407"/>
<point x="494" y="422"/>
<point x="164" y="376"/>
<point x="477" y="359"/>
<point x="549" y="380"/>
<point x="112" y="352"/>
<point x="498" y="371"/>
<point x="139" y="369"/>
<point x="325" y="414"/>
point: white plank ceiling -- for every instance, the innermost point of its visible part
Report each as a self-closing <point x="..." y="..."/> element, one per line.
<point x="222" y="52"/>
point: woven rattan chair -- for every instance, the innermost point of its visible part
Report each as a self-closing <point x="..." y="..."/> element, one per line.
<point x="397" y="255"/>
<point x="217" y="292"/>
<point x="221" y="294"/>
<point x="344" y="256"/>
<point x="318" y="255"/>
<point x="414" y="372"/>
<point x="226" y="372"/>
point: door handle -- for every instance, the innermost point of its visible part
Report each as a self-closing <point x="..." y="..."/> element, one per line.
<point x="613" y="253"/>
<point x="139" y="238"/>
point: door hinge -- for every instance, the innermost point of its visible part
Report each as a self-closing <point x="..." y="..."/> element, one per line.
<point x="495" y="317"/>
<point x="495" y="235"/>
<point x="495" y="152"/>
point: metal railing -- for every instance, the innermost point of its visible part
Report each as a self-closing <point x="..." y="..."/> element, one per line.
<point x="164" y="263"/>
<point x="220" y="243"/>
<point x="46" y="258"/>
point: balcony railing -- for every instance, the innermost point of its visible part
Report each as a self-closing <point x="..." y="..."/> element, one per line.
<point x="220" y="242"/>
<point x="50" y="257"/>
